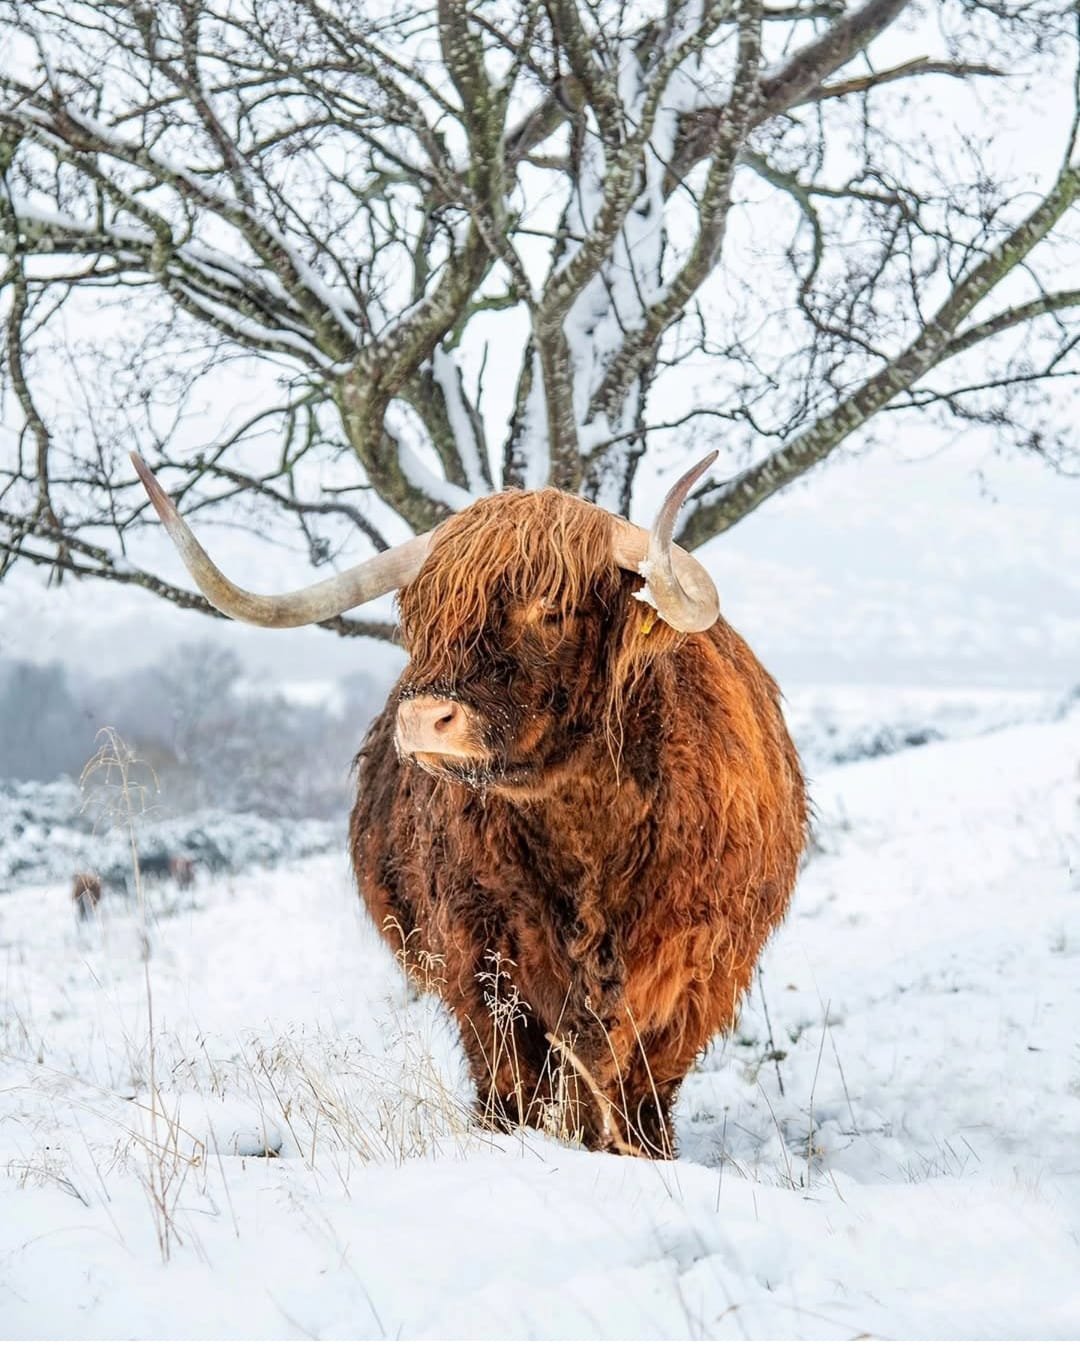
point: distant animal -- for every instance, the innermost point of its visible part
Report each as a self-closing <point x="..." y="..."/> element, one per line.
<point x="161" y="864"/>
<point x="156" y="864"/>
<point x="86" y="894"/>
<point x="580" y="814"/>
<point x="181" y="871"/>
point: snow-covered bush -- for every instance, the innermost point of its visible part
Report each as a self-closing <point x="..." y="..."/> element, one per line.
<point x="46" y="835"/>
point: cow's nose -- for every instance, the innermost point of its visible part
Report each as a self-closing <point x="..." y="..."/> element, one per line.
<point x="429" y="724"/>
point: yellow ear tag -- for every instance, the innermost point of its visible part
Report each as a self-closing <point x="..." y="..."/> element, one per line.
<point x="650" y="620"/>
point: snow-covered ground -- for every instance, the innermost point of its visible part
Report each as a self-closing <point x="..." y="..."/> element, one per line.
<point x="897" y="1155"/>
<point x="833" y="724"/>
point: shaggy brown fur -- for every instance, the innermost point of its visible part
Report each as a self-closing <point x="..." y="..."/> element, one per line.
<point x="85" y="893"/>
<point x="619" y="855"/>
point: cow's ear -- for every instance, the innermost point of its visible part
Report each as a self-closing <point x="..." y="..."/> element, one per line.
<point x="644" y="637"/>
<point x="639" y="640"/>
<point x="649" y="631"/>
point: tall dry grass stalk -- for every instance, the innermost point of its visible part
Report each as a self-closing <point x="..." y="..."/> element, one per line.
<point x="119" y="786"/>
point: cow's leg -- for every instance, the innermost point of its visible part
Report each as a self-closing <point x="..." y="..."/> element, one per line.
<point x="649" y="1089"/>
<point x="659" y="1063"/>
<point x="507" y="1055"/>
<point x="593" y="1051"/>
<point x="632" y="1085"/>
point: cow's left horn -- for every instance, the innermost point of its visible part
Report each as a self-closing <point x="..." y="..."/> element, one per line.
<point x="303" y="607"/>
<point x="677" y="585"/>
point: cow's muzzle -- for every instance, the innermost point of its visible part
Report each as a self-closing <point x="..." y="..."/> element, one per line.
<point x="431" y="726"/>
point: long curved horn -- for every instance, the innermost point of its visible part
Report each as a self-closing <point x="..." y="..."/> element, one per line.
<point x="677" y="585"/>
<point x="304" y="606"/>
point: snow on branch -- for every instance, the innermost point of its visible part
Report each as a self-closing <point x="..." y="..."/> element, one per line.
<point x="366" y="266"/>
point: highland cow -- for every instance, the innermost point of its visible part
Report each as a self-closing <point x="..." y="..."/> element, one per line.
<point x="182" y="871"/>
<point x="159" y="865"/>
<point x="580" y="803"/>
<point x="86" y="894"/>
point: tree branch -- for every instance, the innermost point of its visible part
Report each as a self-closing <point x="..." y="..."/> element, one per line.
<point x="920" y="66"/>
<point x="717" y="507"/>
<point x="639" y="346"/>
<point x="1012" y="317"/>
<point x="792" y="84"/>
<point x="68" y="548"/>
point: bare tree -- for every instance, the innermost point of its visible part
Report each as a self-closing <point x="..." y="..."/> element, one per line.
<point x="43" y="730"/>
<point x="756" y="224"/>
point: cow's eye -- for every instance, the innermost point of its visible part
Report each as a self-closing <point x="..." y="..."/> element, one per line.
<point x="550" y="617"/>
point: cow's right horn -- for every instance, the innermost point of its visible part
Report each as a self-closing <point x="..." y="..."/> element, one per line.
<point x="677" y="584"/>
<point x="304" y="606"/>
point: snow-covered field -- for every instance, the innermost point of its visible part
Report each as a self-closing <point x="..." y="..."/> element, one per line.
<point x="838" y="723"/>
<point x="49" y="831"/>
<point x="898" y="1154"/>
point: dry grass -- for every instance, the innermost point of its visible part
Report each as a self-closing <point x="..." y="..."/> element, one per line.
<point x="318" y="1098"/>
<point x="120" y="785"/>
